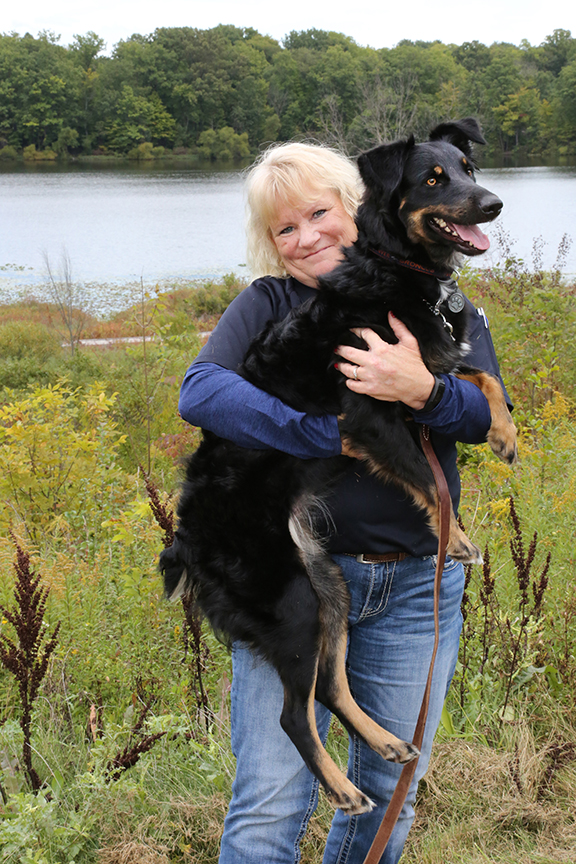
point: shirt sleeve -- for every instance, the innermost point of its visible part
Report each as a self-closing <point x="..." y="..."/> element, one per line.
<point x="223" y="402"/>
<point x="215" y="397"/>
<point x="463" y="412"/>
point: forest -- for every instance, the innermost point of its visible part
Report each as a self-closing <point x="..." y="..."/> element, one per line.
<point x="223" y="93"/>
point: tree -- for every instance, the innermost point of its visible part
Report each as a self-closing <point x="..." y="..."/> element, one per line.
<point x="224" y="144"/>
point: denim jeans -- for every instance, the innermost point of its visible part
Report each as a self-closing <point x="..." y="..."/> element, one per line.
<point x="391" y="634"/>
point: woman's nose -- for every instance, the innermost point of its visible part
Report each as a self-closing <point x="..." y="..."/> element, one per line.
<point x="308" y="235"/>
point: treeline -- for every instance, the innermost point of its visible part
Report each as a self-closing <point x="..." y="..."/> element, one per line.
<point x="224" y="92"/>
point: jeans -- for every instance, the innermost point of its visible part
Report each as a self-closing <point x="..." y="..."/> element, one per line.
<point x="391" y="635"/>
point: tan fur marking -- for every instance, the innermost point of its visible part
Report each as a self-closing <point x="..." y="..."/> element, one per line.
<point x="460" y="547"/>
<point x="340" y="791"/>
<point x="379" y="739"/>
<point x="502" y="433"/>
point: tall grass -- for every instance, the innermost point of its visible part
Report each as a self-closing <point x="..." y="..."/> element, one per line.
<point x="129" y="730"/>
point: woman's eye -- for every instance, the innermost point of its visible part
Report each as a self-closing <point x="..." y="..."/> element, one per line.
<point x="286" y="231"/>
<point x="318" y="213"/>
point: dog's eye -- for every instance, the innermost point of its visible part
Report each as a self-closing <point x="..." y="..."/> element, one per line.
<point x="432" y="181"/>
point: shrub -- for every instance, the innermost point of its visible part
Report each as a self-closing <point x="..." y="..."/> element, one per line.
<point x="19" y="340"/>
<point x="224" y="144"/>
<point x="142" y="151"/>
<point x="31" y="154"/>
<point x="27" y="354"/>
<point x="8" y="152"/>
<point x="51" y="441"/>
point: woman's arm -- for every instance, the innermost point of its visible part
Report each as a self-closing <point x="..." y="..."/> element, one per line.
<point x="221" y="401"/>
<point x="396" y="372"/>
<point x="215" y="397"/>
<point x="462" y="413"/>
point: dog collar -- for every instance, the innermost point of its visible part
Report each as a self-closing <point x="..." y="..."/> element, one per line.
<point x="450" y="293"/>
<point x="441" y="275"/>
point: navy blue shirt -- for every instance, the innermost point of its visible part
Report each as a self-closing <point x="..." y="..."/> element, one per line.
<point x="365" y="514"/>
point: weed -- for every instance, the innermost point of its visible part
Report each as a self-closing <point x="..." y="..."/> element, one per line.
<point x="131" y="753"/>
<point x="27" y="657"/>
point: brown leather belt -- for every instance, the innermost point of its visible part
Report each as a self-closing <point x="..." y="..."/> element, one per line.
<point x="378" y="559"/>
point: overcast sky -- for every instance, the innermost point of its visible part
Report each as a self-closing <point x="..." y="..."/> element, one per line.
<point x="378" y="23"/>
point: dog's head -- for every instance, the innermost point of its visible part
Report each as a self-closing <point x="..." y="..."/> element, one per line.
<point x="426" y="194"/>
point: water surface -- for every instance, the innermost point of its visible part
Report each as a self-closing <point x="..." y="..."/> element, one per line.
<point x="153" y="223"/>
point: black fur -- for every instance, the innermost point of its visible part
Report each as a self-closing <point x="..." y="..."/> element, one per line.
<point x="244" y="545"/>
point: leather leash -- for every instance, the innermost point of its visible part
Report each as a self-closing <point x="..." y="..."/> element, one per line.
<point x="401" y="791"/>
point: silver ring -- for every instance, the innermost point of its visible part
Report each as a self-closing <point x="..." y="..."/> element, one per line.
<point x="355" y="373"/>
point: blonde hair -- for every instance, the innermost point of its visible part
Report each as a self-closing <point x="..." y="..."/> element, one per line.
<point x="292" y="174"/>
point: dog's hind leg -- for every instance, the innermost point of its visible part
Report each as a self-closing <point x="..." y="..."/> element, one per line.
<point x="417" y="480"/>
<point x="502" y="432"/>
<point x="295" y="655"/>
<point x="332" y="690"/>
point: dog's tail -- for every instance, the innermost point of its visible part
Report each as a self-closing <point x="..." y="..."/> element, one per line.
<point x="174" y="569"/>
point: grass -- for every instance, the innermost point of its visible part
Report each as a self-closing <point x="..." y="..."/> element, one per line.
<point x="130" y="670"/>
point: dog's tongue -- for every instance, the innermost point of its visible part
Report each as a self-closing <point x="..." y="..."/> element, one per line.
<point x="472" y="234"/>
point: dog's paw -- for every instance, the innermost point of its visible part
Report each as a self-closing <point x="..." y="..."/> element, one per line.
<point x="502" y="442"/>
<point x="400" y="752"/>
<point x="460" y="548"/>
<point x="351" y="803"/>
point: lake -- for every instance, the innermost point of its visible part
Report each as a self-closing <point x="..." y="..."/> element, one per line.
<point x="156" y="224"/>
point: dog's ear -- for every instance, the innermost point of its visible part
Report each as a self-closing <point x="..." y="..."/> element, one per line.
<point x="459" y="133"/>
<point x="383" y="167"/>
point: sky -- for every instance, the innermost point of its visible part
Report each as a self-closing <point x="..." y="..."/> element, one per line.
<point x="377" y="23"/>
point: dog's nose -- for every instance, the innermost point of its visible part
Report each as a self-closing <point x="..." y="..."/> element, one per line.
<point x="491" y="205"/>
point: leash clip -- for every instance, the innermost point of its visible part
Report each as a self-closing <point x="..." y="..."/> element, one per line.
<point x="447" y="325"/>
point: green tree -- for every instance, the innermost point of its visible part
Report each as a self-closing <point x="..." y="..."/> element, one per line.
<point x="39" y="90"/>
<point x="225" y="144"/>
<point x="521" y="114"/>
<point x="137" y="119"/>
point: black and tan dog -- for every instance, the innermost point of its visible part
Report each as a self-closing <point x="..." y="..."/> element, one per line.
<point x="244" y="545"/>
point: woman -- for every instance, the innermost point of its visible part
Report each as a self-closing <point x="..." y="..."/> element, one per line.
<point x="301" y="205"/>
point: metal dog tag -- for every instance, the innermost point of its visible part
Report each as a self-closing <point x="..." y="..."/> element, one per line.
<point x="456" y="301"/>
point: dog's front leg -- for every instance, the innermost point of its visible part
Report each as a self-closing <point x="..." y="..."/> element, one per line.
<point x="502" y="433"/>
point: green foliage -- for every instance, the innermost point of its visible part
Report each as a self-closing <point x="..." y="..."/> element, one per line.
<point x="31" y="154"/>
<point x="71" y="489"/>
<point x="28" y="353"/>
<point x="18" y="340"/>
<point x="8" y="152"/>
<point x="185" y="88"/>
<point x="224" y="144"/>
<point x="51" y="440"/>
<point x="213" y="298"/>
<point x="522" y="303"/>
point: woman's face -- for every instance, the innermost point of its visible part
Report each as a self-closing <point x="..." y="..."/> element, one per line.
<point x="309" y="238"/>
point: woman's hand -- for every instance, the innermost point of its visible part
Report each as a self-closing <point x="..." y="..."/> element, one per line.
<point x="393" y="373"/>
